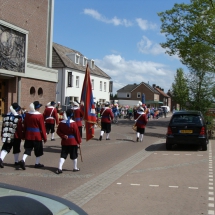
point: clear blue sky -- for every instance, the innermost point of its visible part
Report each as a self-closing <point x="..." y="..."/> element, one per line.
<point x="122" y="36"/>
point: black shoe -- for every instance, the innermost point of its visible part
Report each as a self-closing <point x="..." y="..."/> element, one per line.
<point x="22" y="164"/>
<point x="1" y="163"/>
<point x="107" y="138"/>
<point x="59" y="171"/>
<point x="38" y="165"/>
<point x="16" y="164"/>
<point x="76" y="170"/>
<point x="100" y="138"/>
<point x="52" y="139"/>
<point x="137" y="139"/>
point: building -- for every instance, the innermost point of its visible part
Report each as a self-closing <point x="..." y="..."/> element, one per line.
<point x="165" y="98"/>
<point x="132" y="93"/>
<point x="71" y="66"/>
<point x="26" y="32"/>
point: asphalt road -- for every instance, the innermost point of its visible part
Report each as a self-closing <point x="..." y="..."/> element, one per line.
<point x="122" y="176"/>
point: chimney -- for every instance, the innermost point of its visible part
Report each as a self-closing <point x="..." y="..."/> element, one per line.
<point x="154" y="85"/>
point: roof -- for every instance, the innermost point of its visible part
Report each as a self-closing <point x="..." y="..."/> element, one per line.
<point x="60" y="59"/>
<point x="162" y="92"/>
<point x="188" y="112"/>
<point x="131" y="87"/>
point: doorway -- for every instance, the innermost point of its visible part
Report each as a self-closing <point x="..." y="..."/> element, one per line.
<point x="2" y="88"/>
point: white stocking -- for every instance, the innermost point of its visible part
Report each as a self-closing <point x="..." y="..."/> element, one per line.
<point x="24" y="157"/>
<point x="141" y="137"/>
<point x="37" y="160"/>
<point x="138" y="134"/>
<point x="3" y="154"/>
<point x="108" y="134"/>
<point x="16" y="157"/>
<point x="52" y="135"/>
<point x="102" y="132"/>
<point x="61" y="162"/>
<point x="75" y="161"/>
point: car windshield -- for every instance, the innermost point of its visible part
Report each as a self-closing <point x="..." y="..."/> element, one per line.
<point x="191" y="119"/>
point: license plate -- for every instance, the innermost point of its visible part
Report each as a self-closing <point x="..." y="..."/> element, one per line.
<point x="186" y="131"/>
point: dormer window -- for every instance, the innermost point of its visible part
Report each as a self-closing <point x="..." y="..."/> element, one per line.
<point x="91" y="64"/>
<point x="84" y="61"/>
<point x="77" y="58"/>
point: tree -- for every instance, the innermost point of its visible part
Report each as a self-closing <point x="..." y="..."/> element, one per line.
<point x="201" y="90"/>
<point x="179" y="89"/>
<point x="190" y="33"/>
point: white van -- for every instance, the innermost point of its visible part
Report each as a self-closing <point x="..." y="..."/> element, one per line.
<point x="167" y="108"/>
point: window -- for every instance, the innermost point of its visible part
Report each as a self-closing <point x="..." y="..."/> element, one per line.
<point x="32" y="91"/>
<point x="128" y="95"/>
<point x="84" y="61"/>
<point x="92" y="83"/>
<point x="77" y="58"/>
<point x="138" y="95"/>
<point x="40" y="92"/>
<point x="100" y="85"/>
<point x="69" y="84"/>
<point x="77" y="81"/>
<point x="105" y="86"/>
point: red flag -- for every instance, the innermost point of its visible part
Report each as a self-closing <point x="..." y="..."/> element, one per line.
<point x="87" y="105"/>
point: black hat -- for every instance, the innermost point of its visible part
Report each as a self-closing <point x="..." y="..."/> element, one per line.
<point x="69" y="113"/>
<point x="52" y="103"/>
<point x="16" y="107"/>
<point x="37" y="105"/>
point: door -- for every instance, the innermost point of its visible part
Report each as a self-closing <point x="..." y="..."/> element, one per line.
<point x="1" y="99"/>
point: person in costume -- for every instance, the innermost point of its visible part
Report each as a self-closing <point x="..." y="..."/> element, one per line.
<point x="106" y="118"/>
<point x="34" y="133"/>
<point x="51" y="117"/>
<point x="77" y="116"/>
<point x="141" y="121"/>
<point x="11" y="133"/>
<point x="70" y="140"/>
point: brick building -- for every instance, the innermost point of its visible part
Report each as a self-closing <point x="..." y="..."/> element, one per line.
<point x="26" y="32"/>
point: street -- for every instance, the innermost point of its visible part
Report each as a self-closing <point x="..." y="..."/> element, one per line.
<point x="122" y="176"/>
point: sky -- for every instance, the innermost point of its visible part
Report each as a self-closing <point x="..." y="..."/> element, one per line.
<point x="122" y="36"/>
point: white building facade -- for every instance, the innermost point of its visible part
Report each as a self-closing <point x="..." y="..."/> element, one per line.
<point x="71" y="67"/>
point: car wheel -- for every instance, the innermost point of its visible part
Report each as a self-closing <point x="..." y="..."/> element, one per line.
<point x="204" y="147"/>
<point x="168" y="146"/>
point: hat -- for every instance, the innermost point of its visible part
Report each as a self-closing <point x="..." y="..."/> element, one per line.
<point x="75" y="103"/>
<point x="69" y="113"/>
<point x="107" y="104"/>
<point x="37" y="105"/>
<point x="141" y="109"/>
<point x="16" y="107"/>
<point x="52" y="103"/>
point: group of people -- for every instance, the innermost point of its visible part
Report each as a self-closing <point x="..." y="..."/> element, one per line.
<point x="107" y="114"/>
<point x="33" y="127"/>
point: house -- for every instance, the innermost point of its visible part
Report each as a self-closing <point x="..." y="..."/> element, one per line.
<point x="166" y="99"/>
<point x="71" y="66"/>
<point x="132" y="93"/>
<point x="26" y="31"/>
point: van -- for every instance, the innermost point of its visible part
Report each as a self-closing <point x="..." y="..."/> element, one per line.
<point x="167" y="108"/>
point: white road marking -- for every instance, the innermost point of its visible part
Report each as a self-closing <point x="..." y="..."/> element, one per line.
<point x="173" y="186"/>
<point x="153" y="185"/>
<point x="165" y="154"/>
<point x="210" y="212"/>
<point x="210" y="183"/>
<point x="187" y="154"/>
<point x="199" y="155"/>
<point x="211" y="205"/>
<point x="211" y="198"/>
<point x="176" y="154"/>
<point x="135" y="184"/>
<point x="194" y="188"/>
<point x="119" y="183"/>
<point x="211" y="193"/>
<point x="210" y="188"/>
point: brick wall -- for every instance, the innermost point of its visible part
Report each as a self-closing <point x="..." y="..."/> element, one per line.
<point x="30" y="15"/>
<point x="149" y="95"/>
<point x="49" y="92"/>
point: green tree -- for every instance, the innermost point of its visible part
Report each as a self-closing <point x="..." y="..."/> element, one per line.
<point x="179" y="89"/>
<point x="201" y="90"/>
<point x="190" y="33"/>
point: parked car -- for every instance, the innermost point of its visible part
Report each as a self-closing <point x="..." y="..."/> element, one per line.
<point x="167" y="108"/>
<point x="187" y="127"/>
